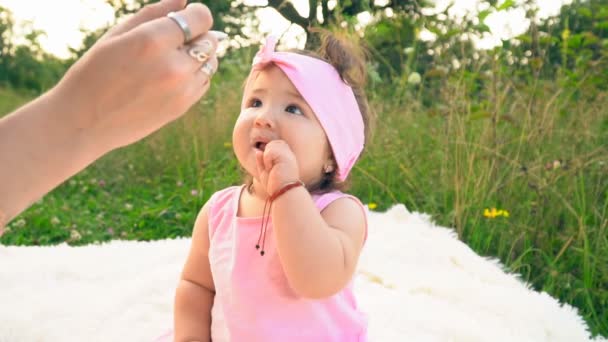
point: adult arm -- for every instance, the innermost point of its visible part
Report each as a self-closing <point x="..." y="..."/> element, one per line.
<point x="134" y="80"/>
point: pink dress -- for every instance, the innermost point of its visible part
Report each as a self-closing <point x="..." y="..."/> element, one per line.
<point x="253" y="300"/>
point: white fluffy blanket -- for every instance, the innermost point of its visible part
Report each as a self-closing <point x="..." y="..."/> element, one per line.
<point x="416" y="281"/>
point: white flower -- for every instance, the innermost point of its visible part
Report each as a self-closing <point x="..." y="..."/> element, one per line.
<point x="20" y="223"/>
<point x="556" y="164"/>
<point x="75" y="235"/>
<point x="408" y="50"/>
<point x="55" y="221"/>
<point x="128" y="206"/>
<point x="414" y="78"/>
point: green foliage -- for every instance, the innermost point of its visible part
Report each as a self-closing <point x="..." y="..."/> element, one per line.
<point x="506" y="5"/>
<point x="395" y="47"/>
<point x="571" y="45"/>
<point x="25" y="66"/>
<point x="10" y="100"/>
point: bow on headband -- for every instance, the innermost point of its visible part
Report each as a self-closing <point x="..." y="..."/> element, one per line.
<point x="332" y="100"/>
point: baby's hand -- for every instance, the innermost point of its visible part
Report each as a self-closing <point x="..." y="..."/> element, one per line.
<point x="277" y="165"/>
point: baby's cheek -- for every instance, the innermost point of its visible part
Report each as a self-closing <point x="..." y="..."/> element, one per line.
<point x="240" y="140"/>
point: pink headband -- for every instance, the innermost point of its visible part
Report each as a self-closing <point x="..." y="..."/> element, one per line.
<point x="332" y="100"/>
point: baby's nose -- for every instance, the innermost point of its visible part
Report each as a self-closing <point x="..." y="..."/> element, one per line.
<point x="264" y="119"/>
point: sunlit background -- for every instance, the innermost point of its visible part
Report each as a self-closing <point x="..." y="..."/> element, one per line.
<point x="63" y="20"/>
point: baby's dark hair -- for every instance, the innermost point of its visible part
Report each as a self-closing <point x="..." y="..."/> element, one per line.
<point x="349" y="58"/>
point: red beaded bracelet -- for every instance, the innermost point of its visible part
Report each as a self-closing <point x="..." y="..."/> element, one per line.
<point x="268" y="204"/>
<point x="285" y="188"/>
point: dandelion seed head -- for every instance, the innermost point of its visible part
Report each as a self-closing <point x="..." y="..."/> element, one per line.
<point x="414" y="78"/>
<point x="75" y="235"/>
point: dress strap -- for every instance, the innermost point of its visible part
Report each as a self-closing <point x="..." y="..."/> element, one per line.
<point x="323" y="200"/>
<point x="222" y="206"/>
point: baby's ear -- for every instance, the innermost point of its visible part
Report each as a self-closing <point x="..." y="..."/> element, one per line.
<point x="329" y="167"/>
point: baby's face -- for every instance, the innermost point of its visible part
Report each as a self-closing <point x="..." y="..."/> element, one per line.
<point x="273" y="109"/>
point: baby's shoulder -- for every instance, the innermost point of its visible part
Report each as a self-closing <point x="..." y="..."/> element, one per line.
<point x="323" y="200"/>
<point x="343" y="210"/>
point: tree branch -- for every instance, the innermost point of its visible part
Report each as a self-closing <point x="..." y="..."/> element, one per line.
<point x="312" y="12"/>
<point x="326" y="14"/>
<point x="286" y="9"/>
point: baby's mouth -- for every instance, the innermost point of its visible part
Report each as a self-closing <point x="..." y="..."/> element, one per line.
<point x="260" y="145"/>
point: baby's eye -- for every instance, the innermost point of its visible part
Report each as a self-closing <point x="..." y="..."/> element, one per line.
<point x="294" y="110"/>
<point x="255" y="103"/>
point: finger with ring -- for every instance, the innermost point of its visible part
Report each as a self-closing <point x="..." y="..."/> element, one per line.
<point x="183" y="25"/>
<point x="201" y="51"/>
<point x="208" y="69"/>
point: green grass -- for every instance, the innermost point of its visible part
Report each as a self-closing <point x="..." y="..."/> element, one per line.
<point x="537" y="150"/>
<point x="11" y="100"/>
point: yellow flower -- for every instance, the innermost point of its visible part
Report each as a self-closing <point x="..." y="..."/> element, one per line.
<point x="493" y="213"/>
<point x="227" y="144"/>
<point x="372" y="205"/>
<point x="489" y="213"/>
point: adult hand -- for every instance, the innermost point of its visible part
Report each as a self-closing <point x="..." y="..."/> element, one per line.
<point x="139" y="76"/>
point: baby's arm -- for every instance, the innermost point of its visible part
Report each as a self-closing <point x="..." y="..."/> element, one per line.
<point x="318" y="251"/>
<point x="195" y="292"/>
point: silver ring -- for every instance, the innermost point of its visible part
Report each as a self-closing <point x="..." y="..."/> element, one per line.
<point x="208" y="69"/>
<point x="183" y="25"/>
